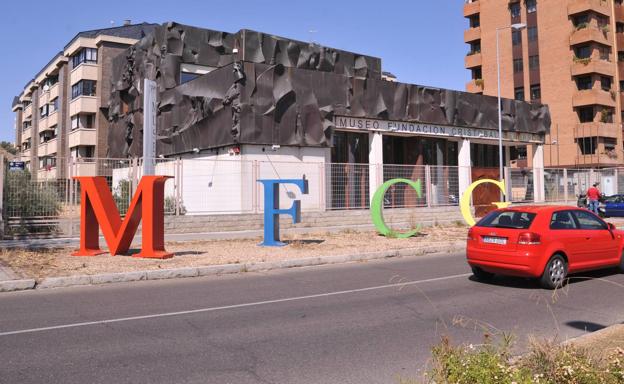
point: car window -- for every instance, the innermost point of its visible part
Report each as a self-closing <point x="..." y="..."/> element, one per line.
<point x="563" y="220"/>
<point x="507" y="219"/>
<point x="588" y="220"/>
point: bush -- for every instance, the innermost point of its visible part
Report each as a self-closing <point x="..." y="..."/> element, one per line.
<point x="26" y="199"/>
<point x="545" y="363"/>
<point x="122" y="196"/>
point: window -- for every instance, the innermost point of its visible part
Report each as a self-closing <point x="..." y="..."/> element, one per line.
<point x="581" y="21"/>
<point x="475" y="21"/>
<point x="531" y="6"/>
<point x="43" y="111"/>
<point x="507" y="219"/>
<point x="85" y="55"/>
<point x="532" y="33"/>
<point x="583" y="82"/>
<point x="514" y="8"/>
<point x="588" y="220"/>
<point x="475" y="47"/>
<point x="563" y="220"/>
<point x="53" y="106"/>
<point x="586" y="114"/>
<point x="536" y="92"/>
<point x="603" y="22"/>
<point x="516" y="37"/>
<point x="82" y="121"/>
<point x="587" y="145"/>
<point x="605" y="53"/>
<point x="534" y="62"/>
<point x="477" y="73"/>
<point x="83" y="88"/>
<point x="519" y="93"/>
<point x="605" y="83"/>
<point x="619" y="27"/>
<point x="620" y="55"/>
<point x="517" y="65"/>
<point x="583" y="52"/>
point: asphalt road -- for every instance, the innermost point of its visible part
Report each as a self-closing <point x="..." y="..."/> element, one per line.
<point x="354" y="323"/>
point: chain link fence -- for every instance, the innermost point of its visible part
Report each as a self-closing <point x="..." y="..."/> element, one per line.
<point x="47" y="200"/>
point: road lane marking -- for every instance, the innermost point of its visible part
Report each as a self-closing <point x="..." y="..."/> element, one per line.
<point x="234" y="306"/>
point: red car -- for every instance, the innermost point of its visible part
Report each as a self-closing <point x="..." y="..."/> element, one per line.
<point x="545" y="242"/>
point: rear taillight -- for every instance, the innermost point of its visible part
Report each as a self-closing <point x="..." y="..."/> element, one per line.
<point x="471" y="235"/>
<point x="529" y="238"/>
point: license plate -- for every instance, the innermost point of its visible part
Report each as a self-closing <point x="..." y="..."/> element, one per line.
<point x="495" y="240"/>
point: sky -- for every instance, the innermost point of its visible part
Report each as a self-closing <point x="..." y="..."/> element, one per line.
<point x="419" y="41"/>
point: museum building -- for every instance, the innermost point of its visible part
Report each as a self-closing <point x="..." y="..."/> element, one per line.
<point x="250" y="96"/>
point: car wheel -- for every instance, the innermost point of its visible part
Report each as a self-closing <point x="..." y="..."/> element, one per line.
<point x="481" y="275"/>
<point x="555" y="273"/>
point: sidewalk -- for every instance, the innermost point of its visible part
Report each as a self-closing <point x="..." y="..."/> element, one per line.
<point x="53" y="267"/>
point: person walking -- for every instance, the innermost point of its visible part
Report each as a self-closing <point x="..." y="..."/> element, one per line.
<point x="593" y="197"/>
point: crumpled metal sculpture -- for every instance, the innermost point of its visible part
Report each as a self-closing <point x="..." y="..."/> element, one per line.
<point x="266" y="90"/>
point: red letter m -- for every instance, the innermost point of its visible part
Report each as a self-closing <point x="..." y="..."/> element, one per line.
<point x="98" y="209"/>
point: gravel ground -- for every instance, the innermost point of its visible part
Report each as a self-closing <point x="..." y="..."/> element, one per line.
<point x="59" y="262"/>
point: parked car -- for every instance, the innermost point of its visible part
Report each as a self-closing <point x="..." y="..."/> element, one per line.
<point x="612" y="206"/>
<point x="581" y="202"/>
<point x="545" y="242"/>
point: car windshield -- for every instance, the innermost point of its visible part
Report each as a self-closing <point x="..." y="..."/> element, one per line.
<point x="507" y="219"/>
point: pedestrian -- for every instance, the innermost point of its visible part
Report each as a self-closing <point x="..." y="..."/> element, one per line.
<point x="593" y="197"/>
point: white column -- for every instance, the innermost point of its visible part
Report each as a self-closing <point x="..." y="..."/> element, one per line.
<point x="538" y="173"/>
<point x="465" y="164"/>
<point x="375" y="161"/>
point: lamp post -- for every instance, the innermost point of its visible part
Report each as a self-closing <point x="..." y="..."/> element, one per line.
<point x="513" y="27"/>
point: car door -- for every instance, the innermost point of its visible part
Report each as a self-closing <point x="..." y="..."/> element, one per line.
<point x="615" y="208"/>
<point x="564" y="231"/>
<point x="601" y="245"/>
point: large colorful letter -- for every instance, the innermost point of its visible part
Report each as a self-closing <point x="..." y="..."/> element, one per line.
<point x="377" y="208"/>
<point x="272" y="211"/>
<point x="98" y="209"/>
<point x="464" y="203"/>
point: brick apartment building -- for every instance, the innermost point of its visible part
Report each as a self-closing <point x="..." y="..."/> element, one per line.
<point x="566" y="54"/>
<point x="61" y="113"/>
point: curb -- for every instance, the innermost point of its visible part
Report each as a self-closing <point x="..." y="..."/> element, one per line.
<point x="216" y="270"/>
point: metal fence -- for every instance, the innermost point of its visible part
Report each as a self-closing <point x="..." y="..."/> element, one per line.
<point x="48" y="199"/>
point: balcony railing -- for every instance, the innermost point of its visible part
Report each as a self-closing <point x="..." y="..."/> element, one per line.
<point x="471" y="8"/>
<point x="580" y="6"/>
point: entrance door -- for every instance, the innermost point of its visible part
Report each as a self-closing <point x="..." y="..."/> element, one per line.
<point x="349" y="171"/>
<point x="485" y="194"/>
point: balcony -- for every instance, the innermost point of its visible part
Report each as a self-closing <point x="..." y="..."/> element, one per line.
<point x="474" y="86"/>
<point x="44" y="98"/>
<point x="46" y="174"/>
<point x="26" y="153"/>
<point x="593" y="97"/>
<point x="472" y="8"/>
<point x="472" y="34"/>
<point x="579" y="6"/>
<point x="589" y="34"/>
<point x="54" y="91"/>
<point x="82" y="136"/>
<point x="602" y="67"/>
<point x="26" y="134"/>
<point x="597" y="159"/>
<point x="84" y="71"/>
<point x="47" y="148"/>
<point x="28" y="111"/>
<point x="619" y="38"/>
<point x="598" y="129"/>
<point x="619" y="13"/>
<point x="43" y="123"/>
<point x="53" y="119"/>
<point x="84" y="169"/>
<point x="83" y="104"/>
<point x="474" y="60"/>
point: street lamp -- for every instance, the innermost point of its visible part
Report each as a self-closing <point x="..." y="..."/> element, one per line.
<point x="513" y="27"/>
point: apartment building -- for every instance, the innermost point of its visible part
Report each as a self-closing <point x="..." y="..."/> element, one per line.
<point x="61" y="114"/>
<point x="568" y="54"/>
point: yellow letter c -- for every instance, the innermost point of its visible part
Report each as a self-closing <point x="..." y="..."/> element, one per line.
<point x="464" y="203"/>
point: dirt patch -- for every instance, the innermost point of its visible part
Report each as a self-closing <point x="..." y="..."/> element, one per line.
<point x="602" y="342"/>
<point x="59" y="262"/>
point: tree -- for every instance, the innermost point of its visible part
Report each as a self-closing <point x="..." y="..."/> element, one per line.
<point x="9" y="147"/>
